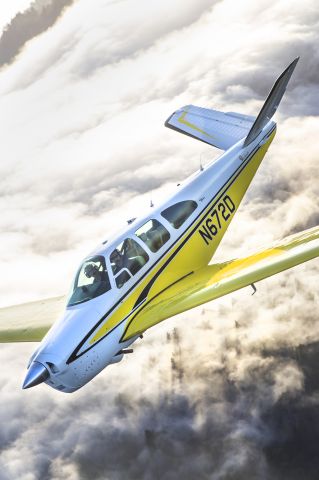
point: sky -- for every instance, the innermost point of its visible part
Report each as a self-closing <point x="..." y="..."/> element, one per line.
<point x="228" y="391"/>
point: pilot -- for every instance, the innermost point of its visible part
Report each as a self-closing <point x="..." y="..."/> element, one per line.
<point x="92" y="270"/>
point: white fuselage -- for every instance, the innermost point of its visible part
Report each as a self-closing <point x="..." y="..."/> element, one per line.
<point x="72" y="331"/>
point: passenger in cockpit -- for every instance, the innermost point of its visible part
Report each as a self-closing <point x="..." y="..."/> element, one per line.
<point x="130" y="257"/>
<point x="117" y="261"/>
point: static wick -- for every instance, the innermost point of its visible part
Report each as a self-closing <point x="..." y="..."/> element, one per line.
<point x="254" y="288"/>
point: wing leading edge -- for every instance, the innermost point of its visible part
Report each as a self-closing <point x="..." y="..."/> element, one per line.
<point x="29" y="322"/>
<point x="217" y="280"/>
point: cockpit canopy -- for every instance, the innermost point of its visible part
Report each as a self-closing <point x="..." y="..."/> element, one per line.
<point x="130" y="255"/>
<point x="91" y="281"/>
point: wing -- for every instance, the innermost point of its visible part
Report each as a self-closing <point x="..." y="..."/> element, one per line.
<point x="29" y="322"/>
<point x="217" y="280"/>
<point x="222" y="130"/>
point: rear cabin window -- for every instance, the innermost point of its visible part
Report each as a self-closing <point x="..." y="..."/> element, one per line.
<point x="126" y="260"/>
<point x="153" y="234"/>
<point x="177" y="214"/>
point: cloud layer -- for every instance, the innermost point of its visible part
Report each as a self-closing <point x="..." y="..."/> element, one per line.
<point x="224" y="392"/>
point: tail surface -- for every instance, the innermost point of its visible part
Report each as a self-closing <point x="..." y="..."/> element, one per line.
<point x="224" y="129"/>
<point x="271" y="104"/>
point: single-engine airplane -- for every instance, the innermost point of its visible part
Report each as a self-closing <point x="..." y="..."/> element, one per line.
<point x="159" y="265"/>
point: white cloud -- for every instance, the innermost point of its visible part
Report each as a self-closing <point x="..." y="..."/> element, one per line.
<point x="82" y="147"/>
<point x="10" y="9"/>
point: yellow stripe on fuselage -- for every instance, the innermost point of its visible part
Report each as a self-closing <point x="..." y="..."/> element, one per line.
<point x="191" y="256"/>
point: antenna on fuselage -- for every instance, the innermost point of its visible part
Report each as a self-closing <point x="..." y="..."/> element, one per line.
<point x="151" y="202"/>
<point x="201" y="168"/>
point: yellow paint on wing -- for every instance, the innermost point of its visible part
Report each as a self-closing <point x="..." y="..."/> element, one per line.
<point x="214" y="281"/>
<point x="181" y="119"/>
<point x="238" y="265"/>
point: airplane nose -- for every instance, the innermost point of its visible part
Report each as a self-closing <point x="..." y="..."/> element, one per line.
<point x="37" y="374"/>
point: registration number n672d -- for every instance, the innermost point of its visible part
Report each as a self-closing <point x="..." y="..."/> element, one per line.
<point x="216" y="219"/>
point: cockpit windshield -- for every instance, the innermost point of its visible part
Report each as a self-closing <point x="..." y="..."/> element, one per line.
<point x="91" y="281"/>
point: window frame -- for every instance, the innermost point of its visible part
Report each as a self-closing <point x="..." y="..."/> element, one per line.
<point x="120" y="273"/>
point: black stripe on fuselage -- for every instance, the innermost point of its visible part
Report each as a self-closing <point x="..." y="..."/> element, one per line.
<point x="150" y="300"/>
<point x="217" y="196"/>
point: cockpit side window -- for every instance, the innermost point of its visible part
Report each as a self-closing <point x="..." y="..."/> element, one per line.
<point x="126" y="260"/>
<point x="178" y="213"/>
<point x="153" y="234"/>
<point x="91" y="281"/>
